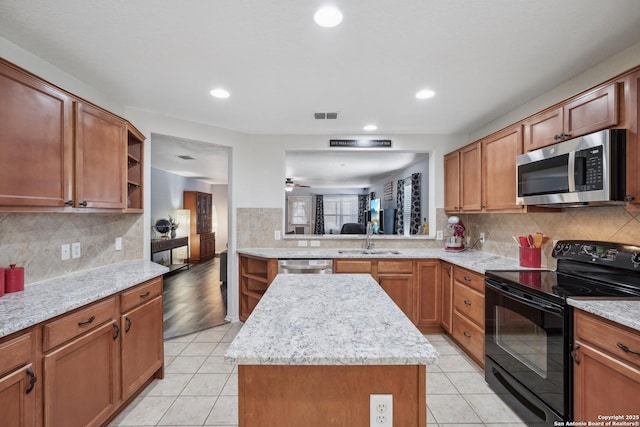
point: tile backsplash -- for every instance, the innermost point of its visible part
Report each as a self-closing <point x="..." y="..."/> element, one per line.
<point x="610" y="223"/>
<point x="33" y="240"/>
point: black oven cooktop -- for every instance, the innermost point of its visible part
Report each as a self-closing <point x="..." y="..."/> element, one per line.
<point x="585" y="269"/>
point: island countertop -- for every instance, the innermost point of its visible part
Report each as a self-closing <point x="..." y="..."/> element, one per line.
<point x="345" y="319"/>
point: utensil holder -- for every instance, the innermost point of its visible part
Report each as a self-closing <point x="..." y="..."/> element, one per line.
<point x="530" y="257"/>
<point x="13" y="279"/>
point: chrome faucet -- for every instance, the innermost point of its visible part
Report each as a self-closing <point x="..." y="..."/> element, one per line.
<point x="369" y="243"/>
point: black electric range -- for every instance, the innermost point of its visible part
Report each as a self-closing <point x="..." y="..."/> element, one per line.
<point x="529" y="324"/>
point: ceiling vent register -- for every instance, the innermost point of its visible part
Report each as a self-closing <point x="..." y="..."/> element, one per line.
<point x="323" y="116"/>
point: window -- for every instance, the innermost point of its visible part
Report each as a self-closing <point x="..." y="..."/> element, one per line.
<point x="338" y="210"/>
<point x="299" y="214"/>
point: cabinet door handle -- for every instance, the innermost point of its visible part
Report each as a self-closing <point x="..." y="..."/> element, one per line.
<point x="466" y="334"/>
<point x="557" y="137"/>
<point x="467" y="302"/>
<point x="627" y="349"/>
<point x="575" y="355"/>
<point x="32" y="381"/>
<point x="83" y="204"/>
<point x="116" y="331"/>
<point x="69" y="203"/>
<point x="86" y="322"/>
<point x="629" y="198"/>
<point x="467" y="278"/>
<point x="146" y="294"/>
<point x="127" y="324"/>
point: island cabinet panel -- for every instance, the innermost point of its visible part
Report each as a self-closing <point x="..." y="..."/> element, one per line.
<point x="606" y="368"/>
<point x="329" y="396"/>
<point x="428" y="296"/>
<point x="36" y="137"/>
<point x="256" y="274"/>
<point x="18" y="380"/>
<point x="468" y="312"/>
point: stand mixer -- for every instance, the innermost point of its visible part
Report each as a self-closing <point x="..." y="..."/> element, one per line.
<point x="455" y="242"/>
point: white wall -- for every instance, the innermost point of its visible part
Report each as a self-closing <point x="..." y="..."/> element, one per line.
<point x="167" y="192"/>
<point x="221" y="202"/>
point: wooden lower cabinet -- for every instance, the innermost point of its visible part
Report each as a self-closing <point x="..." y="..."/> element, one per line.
<point x="447" y="295"/>
<point x="606" y="378"/>
<point x="18" y="380"/>
<point x="399" y="287"/>
<point x="428" y="296"/>
<point x="468" y="312"/>
<point x="142" y="345"/>
<point x="81" y="386"/>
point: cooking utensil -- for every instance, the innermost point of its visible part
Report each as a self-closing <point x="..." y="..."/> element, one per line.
<point x="530" y="241"/>
<point x="537" y="239"/>
<point x="516" y="240"/>
<point x="523" y="241"/>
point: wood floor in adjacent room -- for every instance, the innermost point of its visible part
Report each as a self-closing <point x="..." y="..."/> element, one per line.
<point x="193" y="300"/>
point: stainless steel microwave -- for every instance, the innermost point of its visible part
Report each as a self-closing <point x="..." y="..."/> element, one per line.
<point x="586" y="170"/>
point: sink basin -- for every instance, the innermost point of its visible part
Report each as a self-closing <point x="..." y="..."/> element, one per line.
<point x="369" y="251"/>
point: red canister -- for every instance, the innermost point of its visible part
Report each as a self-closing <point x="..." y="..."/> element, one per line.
<point x="14" y="279"/>
<point x="1" y="281"/>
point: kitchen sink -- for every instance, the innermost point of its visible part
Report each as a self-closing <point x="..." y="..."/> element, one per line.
<point x="369" y="251"/>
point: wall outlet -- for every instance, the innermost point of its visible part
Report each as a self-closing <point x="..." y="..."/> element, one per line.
<point x="118" y="243"/>
<point x="75" y="250"/>
<point x="439" y="235"/>
<point x="381" y="410"/>
<point x="65" y="252"/>
<point x="276" y="235"/>
<point x="482" y="239"/>
<point x="315" y="243"/>
<point x="302" y="243"/>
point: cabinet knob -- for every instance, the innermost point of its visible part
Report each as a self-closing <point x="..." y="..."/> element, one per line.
<point x="83" y="204"/>
<point x="466" y="334"/>
<point x="467" y="302"/>
<point x="68" y="203"/>
<point x="629" y="198"/>
<point x="557" y="137"/>
<point x="467" y="278"/>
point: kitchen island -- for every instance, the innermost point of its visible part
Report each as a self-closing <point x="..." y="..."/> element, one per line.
<point x="316" y="348"/>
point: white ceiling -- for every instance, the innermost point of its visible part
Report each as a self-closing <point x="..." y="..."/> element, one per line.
<point x="483" y="58"/>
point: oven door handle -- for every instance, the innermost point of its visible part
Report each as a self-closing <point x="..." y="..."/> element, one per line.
<point x="526" y="301"/>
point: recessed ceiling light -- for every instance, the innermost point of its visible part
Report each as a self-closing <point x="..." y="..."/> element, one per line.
<point x="370" y="127"/>
<point x="220" y="93"/>
<point x="425" y="93"/>
<point x="328" y="17"/>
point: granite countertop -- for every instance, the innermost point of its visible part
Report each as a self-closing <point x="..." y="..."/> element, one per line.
<point x="473" y="260"/>
<point x="41" y="301"/>
<point x="345" y="319"/>
<point x="625" y="313"/>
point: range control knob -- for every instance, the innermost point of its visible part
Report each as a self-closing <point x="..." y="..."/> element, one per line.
<point x="635" y="259"/>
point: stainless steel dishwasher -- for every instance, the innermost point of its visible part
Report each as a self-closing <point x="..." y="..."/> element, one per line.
<point x="305" y="266"/>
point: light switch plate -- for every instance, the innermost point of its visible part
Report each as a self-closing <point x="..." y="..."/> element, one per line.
<point x="118" y="243"/>
<point x="65" y="252"/>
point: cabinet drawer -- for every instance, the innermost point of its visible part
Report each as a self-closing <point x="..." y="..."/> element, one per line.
<point x="355" y="266"/>
<point x="71" y="325"/>
<point x="470" y="336"/>
<point x="395" y="266"/>
<point x="16" y="352"/>
<point x="140" y="294"/>
<point x="473" y="280"/>
<point x="607" y="335"/>
<point x="468" y="302"/>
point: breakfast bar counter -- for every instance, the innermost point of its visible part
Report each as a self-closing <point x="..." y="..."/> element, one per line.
<point x="316" y="348"/>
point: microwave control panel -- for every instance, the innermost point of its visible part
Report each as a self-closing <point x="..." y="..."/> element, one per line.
<point x="589" y="169"/>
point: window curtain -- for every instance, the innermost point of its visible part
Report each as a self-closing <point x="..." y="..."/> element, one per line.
<point x="399" y="226"/>
<point x="319" y="226"/>
<point x="415" y="204"/>
<point x="362" y="208"/>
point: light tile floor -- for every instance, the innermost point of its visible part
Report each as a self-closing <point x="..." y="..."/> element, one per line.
<point x="201" y="389"/>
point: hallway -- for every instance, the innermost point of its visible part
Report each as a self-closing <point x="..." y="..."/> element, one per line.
<point x="193" y="300"/>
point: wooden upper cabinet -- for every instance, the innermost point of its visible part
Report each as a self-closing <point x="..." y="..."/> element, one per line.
<point x="36" y="134"/>
<point x="543" y="129"/>
<point x="101" y="158"/>
<point x="631" y="86"/>
<point x="499" y="184"/>
<point x="452" y="182"/>
<point x="579" y="116"/>
<point x="471" y="177"/>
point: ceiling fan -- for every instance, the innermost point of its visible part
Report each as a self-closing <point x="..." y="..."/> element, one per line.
<point x="290" y="185"/>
